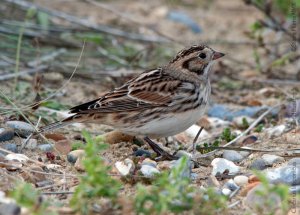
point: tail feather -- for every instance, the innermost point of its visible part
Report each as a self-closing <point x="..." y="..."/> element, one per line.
<point x="60" y="124"/>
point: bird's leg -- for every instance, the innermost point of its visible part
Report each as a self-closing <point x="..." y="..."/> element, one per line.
<point x="196" y="138"/>
<point x="162" y="154"/>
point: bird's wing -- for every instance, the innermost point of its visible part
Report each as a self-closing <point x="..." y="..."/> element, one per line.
<point x="153" y="88"/>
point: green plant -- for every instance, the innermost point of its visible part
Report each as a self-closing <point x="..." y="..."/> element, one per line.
<point x="269" y="194"/>
<point x="245" y="123"/>
<point x="27" y="196"/>
<point x="96" y="183"/>
<point x="174" y="193"/>
<point x="166" y="194"/>
<point x="259" y="128"/>
<point x="227" y="135"/>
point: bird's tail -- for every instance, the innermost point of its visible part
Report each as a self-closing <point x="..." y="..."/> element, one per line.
<point x="59" y="124"/>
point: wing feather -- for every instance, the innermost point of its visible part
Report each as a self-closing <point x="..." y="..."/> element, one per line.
<point x="151" y="89"/>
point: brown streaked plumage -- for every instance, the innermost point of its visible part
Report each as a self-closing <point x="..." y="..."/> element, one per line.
<point x="157" y="103"/>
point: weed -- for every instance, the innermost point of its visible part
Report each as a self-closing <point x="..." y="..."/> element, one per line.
<point x="27" y="196"/>
<point x="174" y="193"/>
<point x="96" y="183"/>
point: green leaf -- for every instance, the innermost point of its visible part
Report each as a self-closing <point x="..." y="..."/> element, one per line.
<point x="43" y="20"/>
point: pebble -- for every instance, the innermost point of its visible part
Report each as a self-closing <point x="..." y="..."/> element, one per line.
<point x="11" y="147"/>
<point x="249" y="140"/>
<point x="231" y="185"/>
<point x="233" y="156"/>
<point x="18" y="157"/>
<point x="239" y="121"/>
<point x="272" y="159"/>
<point x="63" y="146"/>
<point x="6" y="134"/>
<point x="142" y="152"/>
<point x="261" y="203"/>
<point x="10" y="209"/>
<point x="241" y="180"/>
<point x="294" y="162"/>
<point x="226" y="191"/>
<point x="46" y="147"/>
<point x="125" y="167"/>
<point x="217" y="123"/>
<point x="149" y="171"/>
<point x="114" y="137"/>
<point x="182" y="153"/>
<point x="149" y="162"/>
<point x="275" y="131"/>
<point x="31" y="144"/>
<point x="288" y="175"/>
<point x="22" y="128"/>
<point x="193" y="131"/>
<point x="186" y="170"/>
<point x="164" y="165"/>
<point x="221" y="164"/>
<point x="55" y="136"/>
<point x="258" y="164"/>
<point x="74" y="155"/>
<point x="79" y="164"/>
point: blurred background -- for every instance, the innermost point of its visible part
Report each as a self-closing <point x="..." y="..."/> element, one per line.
<point x="42" y="41"/>
<point x="60" y="53"/>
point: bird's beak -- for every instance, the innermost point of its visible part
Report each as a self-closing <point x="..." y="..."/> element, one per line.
<point x="217" y="55"/>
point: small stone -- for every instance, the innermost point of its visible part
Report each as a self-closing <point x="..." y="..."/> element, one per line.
<point x="233" y="156"/>
<point x="23" y="129"/>
<point x="186" y="169"/>
<point x="272" y="159"/>
<point x="249" y="140"/>
<point x="242" y="121"/>
<point x="275" y="131"/>
<point x="164" y="165"/>
<point x="6" y="134"/>
<point x="55" y="136"/>
<point x="194" y="129"/>
<point x="10" y="209"/>
<point x="149" y="171"/>
<point x="258" y="164"/>
<point x="74" y="155"/>
<point x="63" y="146"/>
<point x="17" y="157"/>
<point x="231" y="185"/>
<point x="241" y="180"/>
<point x="125" y="167"/>
<point x="288" y="175"/>
<point x="226" y="191"/>
<point x="217" y="122"/>
<point x="53" y="166"/>
<point x="32" y="144"/>
<point x="46" y="147"/>
<point x="245" y="153"/>
<point x="294" y="162"/>
<point x="253" y="178"/>
<point x="261" y="203"/>
<point x="221" y="165"/>
<point x="182" y="153"/>
<point x="114" y="137"/>
<point x="79" y="164"/>
<point x="38" y="173"/>
<point x="149" y="162"/>
<point x="11" y="147"/>
<point x="142" y="152"/>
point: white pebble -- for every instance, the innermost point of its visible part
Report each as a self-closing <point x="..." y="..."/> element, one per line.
<point x="125" y="167"/>
<point x="18" y="157"/>
<point x="241" y="180"/>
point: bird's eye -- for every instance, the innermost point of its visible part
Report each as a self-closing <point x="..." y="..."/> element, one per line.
<point x="202" y="55"/>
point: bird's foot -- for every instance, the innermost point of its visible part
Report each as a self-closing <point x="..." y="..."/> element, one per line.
<point x="162" y="154"/>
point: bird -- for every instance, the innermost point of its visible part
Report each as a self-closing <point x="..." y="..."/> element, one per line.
<point x="158" y="103"/>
